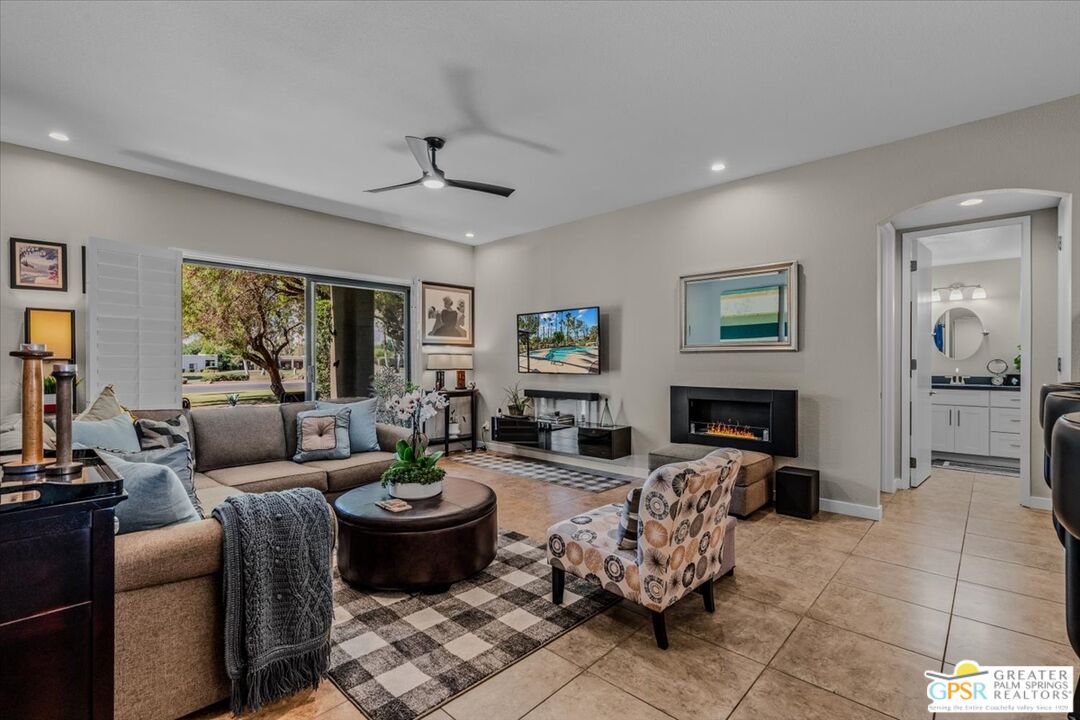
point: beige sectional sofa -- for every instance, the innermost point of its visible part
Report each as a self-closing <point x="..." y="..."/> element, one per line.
<point x="169" y="651"/>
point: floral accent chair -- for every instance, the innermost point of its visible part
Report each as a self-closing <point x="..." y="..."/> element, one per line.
<point x="682" y="538"/>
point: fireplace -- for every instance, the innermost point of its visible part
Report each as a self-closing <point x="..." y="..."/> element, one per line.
<point x="762" y="420"/>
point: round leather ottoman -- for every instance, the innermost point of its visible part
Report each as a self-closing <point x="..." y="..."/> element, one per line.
<point x="439" y="541"/>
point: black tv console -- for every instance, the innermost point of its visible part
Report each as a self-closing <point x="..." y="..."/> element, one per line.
<point x="589" y="440"/>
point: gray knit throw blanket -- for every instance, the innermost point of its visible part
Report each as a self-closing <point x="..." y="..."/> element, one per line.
<point x="278" y="593"/>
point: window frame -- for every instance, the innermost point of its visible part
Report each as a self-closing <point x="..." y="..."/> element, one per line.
<point x="312" y="278"/>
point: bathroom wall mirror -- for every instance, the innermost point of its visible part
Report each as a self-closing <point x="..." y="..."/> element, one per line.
<point x="751" y="308"/>
<point x="958" y="333"/>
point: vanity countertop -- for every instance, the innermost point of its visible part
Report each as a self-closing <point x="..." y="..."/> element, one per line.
<point x="975" y="386"/>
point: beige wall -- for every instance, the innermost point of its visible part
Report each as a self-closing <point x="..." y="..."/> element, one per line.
<point x="50" y="197"/>
<point x="824" y="214"/>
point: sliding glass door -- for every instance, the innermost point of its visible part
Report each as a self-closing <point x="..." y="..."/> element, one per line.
<point x="253" y="336"/>
<point x="361" y="339"/>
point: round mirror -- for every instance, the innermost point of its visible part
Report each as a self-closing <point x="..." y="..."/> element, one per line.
<point x="958" y="333"/>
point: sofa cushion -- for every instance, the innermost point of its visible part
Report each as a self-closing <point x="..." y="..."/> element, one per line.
<point x="267" y="476"/>
<point x="211" y="497"/>
<point x="755" y="465"/>
<point x="232" y="436"/>
<point x="322" y="435"/>
<point x="354" y="470"/>
<point x="289" y="411"/>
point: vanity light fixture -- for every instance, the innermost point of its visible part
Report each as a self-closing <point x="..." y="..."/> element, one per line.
<point x="955" y="292"/>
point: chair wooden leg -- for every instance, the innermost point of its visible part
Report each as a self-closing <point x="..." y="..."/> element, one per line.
<point x="706" y="590"/>
<point x="558" y="581"/>
<point x="729" y="573"/>
<point x="659" y="627"/>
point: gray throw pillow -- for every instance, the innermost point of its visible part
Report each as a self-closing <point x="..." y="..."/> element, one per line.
<point x="322" y="435"/>
<point x="177" y="458"/>
<point x="155" y="499"/>
<point x="116" y="433"/>
<point x="362" y="435"/>
<point x="628" y="520"/>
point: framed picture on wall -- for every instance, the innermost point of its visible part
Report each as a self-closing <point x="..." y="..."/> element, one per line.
<point x="447" y="311"/>
<point x="751" y="308"/>
<point x="38" y="265"/>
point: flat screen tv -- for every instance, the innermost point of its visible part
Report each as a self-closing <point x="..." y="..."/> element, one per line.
<point x="563" y="342"/>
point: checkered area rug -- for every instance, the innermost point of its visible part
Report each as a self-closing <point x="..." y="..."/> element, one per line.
<point x="399" y="656"/>
<point x="540" y="470"/>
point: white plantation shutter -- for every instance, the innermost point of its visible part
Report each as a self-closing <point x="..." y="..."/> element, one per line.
<point x="133" y="323"/>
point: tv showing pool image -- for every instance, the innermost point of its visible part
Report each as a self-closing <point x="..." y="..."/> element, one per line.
<point x="565" y="342"/>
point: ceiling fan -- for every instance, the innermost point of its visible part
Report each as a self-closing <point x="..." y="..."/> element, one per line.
<point x="424" y="149"/>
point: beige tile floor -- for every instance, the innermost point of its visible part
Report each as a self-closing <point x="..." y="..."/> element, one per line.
<point x="833" y="618"/>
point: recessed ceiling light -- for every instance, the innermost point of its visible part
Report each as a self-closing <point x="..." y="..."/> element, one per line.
<point x="57" y="135"/>
<point x="971" y="201"/>
<point x="717" y="166"/>
<point x="470" y="235"/>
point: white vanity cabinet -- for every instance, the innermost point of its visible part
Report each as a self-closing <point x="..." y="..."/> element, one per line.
<point x="976" y="422"/>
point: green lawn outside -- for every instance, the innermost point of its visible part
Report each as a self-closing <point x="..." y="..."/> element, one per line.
<point x="247" y="397"/>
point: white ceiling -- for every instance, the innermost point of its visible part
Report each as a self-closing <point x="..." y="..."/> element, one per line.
<point x="979" y="245"/>
<point x="583" y="107"/>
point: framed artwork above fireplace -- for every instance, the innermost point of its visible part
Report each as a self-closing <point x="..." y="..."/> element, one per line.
<point x="751" y="308"/>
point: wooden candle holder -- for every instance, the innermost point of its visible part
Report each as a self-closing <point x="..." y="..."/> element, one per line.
<point x="33" y="411"/>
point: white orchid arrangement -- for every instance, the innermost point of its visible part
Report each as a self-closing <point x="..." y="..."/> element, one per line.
<point x="411" y="461"/>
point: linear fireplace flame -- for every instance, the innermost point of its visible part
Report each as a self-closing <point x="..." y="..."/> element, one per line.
<point x="731" y="428"/>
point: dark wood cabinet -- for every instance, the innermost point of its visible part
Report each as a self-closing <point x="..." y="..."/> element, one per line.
<point x="56" y="607"/>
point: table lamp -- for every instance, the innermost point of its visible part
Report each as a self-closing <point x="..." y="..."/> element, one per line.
<point x="441" y="362"/>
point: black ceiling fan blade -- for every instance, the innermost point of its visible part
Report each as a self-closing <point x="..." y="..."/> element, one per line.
<point x="422" y="152"/>
<point x="481" y="187"/>
<point x="396" y="187"/>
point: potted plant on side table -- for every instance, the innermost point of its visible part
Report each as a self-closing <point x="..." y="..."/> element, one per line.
<point x="415" y="474"/>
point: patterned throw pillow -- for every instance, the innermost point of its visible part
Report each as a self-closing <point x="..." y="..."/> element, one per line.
<point x="628" y="520"/>
<point x="322" y="435"/>
<point x="155" y="434"/>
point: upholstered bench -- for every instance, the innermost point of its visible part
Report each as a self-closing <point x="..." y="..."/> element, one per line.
<point x="753" y="486"/>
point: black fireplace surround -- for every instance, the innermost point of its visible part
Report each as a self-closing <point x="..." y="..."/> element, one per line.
<point x="762" y="420"/>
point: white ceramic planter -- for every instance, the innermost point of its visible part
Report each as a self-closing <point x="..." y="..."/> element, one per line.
<point x="414" y="491"/>
<point x="455" y="429"/>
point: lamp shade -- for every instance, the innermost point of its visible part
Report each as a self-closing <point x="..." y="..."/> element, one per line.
<point x="55" y="329"/>
<point x="979" y="293"/>
<point x="450" y="361"/>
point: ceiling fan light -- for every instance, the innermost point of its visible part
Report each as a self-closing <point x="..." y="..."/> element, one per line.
<point x="433" y="182"/>
<point x="956" y="294"/>
<point x="979" y="293"/>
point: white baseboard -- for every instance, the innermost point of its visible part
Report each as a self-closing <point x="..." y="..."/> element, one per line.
<point x="1039" y="503"/>
<point x="854" y="509"/>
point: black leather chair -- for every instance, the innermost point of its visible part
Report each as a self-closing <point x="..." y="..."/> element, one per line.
<point x="1061" y="426"/>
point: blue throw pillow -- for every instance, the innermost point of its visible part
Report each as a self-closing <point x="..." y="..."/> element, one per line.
<point x="177" y="458"/>
<point x="116" y="433"/>
<point x="322" y="434"/>
<point x="156" y="498"/>
<point x="362" y="436"/>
